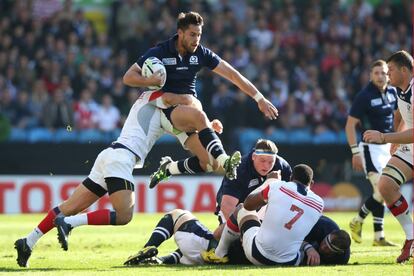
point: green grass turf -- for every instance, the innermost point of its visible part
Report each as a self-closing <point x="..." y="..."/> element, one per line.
<point x="102" y="250"/>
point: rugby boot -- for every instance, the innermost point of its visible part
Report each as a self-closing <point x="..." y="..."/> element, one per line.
<point x="231" y="164"/>
<point x="161" y="174"/>
<point x="64" y="230"/>
<point x="356" y="230"/>
<point x="210" y="257"/>
<point x="406" y="251"/>
<point x="144" y="254"/>
<point x="23" y="252"/>
<point x="383" y="242"/>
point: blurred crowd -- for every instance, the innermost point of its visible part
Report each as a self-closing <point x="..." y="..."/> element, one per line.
<point x="310" y="58"/>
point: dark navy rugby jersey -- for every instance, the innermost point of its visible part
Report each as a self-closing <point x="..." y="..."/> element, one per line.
<point x="181" y="71"/>
<point x="248" y="179"/>
<point x="374" y="109"/>
<point x="323" y="227"/>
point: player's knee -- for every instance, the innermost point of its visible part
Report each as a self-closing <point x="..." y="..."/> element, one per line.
<point x="199" y="116"/>
<point x="123" y="218"/>
<point x="176" y="213"/>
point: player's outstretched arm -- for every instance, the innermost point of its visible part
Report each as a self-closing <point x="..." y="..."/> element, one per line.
<point x="133" y="78"/>
<point x="227" y="71"/>
<point x="403" y="137"/>
<point x="256" y="199"/>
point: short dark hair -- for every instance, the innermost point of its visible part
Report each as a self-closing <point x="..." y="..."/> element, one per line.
<point x="266" y="145"/>
<point x="340" y="239"/>
<point x="189" y="18"/>
<point x="402" y="59"/>
<point x="378" y="62"/>
<point x="303" y="174"/>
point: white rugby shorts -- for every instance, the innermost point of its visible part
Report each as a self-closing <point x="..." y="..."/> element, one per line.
<point x="379" y="154"/>
<point x="113" y="163"/>
<point x="191" y="246"/>
<point x="405" y="152"/>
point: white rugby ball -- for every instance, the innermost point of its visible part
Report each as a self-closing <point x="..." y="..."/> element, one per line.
<point x="152" y="65"/>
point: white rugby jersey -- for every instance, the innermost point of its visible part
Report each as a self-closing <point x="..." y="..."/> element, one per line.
<point x="289" y="217"/>
<point x="142" y="127"/>
<point x="405" y="104"/>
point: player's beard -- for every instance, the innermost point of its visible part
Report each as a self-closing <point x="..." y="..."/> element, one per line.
<point x="189" y="48"/>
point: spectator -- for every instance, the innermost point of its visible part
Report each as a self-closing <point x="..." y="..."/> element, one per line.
<point x="107" y="116"/>
<point x="58" y="113"/>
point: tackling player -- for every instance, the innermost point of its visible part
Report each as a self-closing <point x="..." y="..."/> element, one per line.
<point x="111" y="173"/>
<point x="399" y="168"/>
<point x="292" y="210"/>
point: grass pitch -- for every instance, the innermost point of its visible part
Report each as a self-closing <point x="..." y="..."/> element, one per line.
<point x="101" y="250"/>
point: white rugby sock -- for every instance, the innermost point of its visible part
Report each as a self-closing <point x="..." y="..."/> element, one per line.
<point x="227" y="237"/>
<point x="33" y="237"/>
<point x="173" y="168"/>
<point x="77" y="220"/>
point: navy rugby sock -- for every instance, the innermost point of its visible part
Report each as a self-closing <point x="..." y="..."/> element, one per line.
<point x="190" y="165"/>
<point x="211" y="142"/>
<point x="162" y="232"/>
<point x="172" y="258"/>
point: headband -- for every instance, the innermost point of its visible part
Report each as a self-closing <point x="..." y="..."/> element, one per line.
<point x="331" y="246"/>
<point x="263" y="152"/>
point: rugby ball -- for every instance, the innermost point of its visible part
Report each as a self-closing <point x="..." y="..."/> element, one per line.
<point x="152" y="65"/>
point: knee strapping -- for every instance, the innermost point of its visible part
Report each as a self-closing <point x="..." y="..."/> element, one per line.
<point x="243" y="213"/>
<point x="180" y="216"/>
<point x="394" y="173"/>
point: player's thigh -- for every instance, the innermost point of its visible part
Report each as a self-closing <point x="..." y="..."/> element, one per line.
<point x="81" y="199"/>
<point x="247" y="243"/>
<point x="188" y="119"/>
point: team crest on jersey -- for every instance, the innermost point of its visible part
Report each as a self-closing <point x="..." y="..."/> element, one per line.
<point x="253" y="182"/>
<point x="405" y="148"/>
<point x="169" y="61"/>
<point x="194" y="60"/>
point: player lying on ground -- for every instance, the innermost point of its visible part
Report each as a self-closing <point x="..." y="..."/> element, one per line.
<point x="332" y="244"/>
<point x="191" y="237"/>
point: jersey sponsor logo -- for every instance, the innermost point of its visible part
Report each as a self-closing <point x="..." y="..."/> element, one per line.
<point x="193" y="60"/>
<point x="169" y="61"/>
<point x="182" y="68"/>
<point x="253" y="182"/>
<point x="376" y="102"/>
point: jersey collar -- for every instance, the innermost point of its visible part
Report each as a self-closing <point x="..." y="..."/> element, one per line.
<point x="171" y="44"/>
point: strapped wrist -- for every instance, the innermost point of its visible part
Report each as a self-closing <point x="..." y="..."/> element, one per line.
<point x="258" y="96"/>
<point x="382" y="138"/>
<point x="354" y="149"/>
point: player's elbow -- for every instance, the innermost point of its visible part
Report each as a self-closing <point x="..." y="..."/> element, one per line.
<point x="127" y="79"/>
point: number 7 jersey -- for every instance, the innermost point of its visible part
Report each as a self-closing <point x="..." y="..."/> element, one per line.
<point x="292" y="211"/>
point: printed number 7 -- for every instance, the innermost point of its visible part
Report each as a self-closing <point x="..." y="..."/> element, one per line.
<point x="294" y="208"/>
